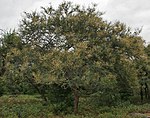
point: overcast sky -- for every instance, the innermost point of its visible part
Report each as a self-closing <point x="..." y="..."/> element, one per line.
<point x="135" y="13"/>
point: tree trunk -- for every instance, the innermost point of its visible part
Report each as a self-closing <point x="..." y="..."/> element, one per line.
<point x="38" y="90"/>
<point x="76" y="99"/>
<point x="141" y="93"/>
<point x="146" y="91"/>
<point x="3" y="69"/>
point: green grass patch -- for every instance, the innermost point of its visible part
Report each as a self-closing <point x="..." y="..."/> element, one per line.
<point x="27" y="106"/>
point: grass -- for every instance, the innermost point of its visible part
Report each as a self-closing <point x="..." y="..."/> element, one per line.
<point x="26" y="106"/>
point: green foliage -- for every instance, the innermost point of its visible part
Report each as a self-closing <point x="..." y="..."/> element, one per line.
<point x="30" y="106"/>
<point x="73" y="47"/>
<point x="107" y="95"/>
<point x="22" y="106"/>
<point x="60" y="98"/>
<point x="127" y="79"/>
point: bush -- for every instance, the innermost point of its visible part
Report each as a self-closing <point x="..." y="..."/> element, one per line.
<point x="60" y="98"/>
<point x="108" y="93"/>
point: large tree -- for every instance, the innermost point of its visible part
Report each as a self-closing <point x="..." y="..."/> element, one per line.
<point x="74" y="47"/>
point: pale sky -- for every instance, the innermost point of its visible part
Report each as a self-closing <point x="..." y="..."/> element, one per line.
<point x="135" y="13"/>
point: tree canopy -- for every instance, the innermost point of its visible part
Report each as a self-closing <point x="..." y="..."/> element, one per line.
<point x="74" y="48"/>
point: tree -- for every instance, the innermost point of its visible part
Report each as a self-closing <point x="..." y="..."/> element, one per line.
<point x="74" y="47"/>
<point x="12" y="53"/>
<point x="144" y="71"/>
<point x="10" y="41"/>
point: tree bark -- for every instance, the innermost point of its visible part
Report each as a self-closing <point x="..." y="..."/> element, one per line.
<point x="146" y="91"/>
<point x="76" y="99"/>
<point x="141" y="93"/>
<point x="38" y="90"/>
<point x="2" y="70"/>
